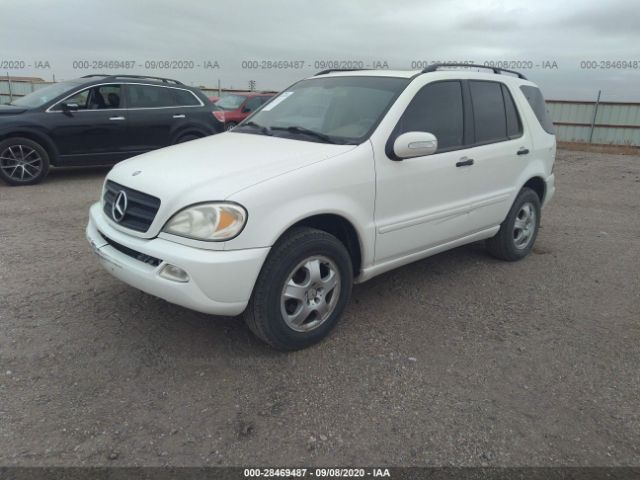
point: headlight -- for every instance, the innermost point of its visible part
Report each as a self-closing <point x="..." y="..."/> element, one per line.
<point x="208" y="221"/>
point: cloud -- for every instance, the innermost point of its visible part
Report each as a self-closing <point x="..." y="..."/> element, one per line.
<point x="398" y="33"/>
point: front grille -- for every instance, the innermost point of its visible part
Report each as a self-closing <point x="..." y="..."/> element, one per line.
<point x="141" y="208"/>
<point x="142" y="257"/>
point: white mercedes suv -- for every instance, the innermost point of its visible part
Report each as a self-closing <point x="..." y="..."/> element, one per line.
<point x="341" y="177"/>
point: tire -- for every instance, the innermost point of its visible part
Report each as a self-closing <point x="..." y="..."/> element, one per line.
<point x="306" y="262"/>
<point x="188" y="138"/>
<point x="23" y="161"/>
<point x="519" y="230"/>
<point x="228" y="126"/>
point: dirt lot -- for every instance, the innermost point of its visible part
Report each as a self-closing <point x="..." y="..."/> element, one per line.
<point x="459" y="359"/>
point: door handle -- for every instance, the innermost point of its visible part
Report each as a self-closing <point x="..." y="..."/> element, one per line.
<point x="116" y="118"/>
<point x="465" y="162"/>
<point x="523" y="151"/>
<point x="181" y="115"/>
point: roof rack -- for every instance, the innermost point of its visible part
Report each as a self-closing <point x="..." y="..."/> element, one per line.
<point x="434" y="67"/>
<point x="138" y="77"/>
<point x="331" y="70"/>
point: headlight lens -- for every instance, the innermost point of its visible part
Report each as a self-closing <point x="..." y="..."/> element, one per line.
<point x="208" y="221"/>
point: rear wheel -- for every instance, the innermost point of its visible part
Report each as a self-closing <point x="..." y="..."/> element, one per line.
<point x="519" y="230"/>
<point x="229" y="125"/>
<point x="22" y="161"/>
<point x="302" y="290"/>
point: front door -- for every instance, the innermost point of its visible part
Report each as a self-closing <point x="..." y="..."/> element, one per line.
<point x="93" y="129"/>
<point x="424" y="201"/>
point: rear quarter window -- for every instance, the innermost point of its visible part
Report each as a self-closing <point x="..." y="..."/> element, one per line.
<point x="184" y="98"/>
<point x="536" y="100"/>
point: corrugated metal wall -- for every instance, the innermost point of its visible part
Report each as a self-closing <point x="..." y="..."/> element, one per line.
<point x="616" y="123"/>
<point x="18" y="89"/>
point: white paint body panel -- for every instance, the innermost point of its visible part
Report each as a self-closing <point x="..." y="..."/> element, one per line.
<point x="401" y="210"/>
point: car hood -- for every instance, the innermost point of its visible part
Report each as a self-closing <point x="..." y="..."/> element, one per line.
<point x="214" y="168"/>
<point x="10" y="109"/>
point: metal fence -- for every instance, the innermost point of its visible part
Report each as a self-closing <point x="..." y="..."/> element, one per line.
<point x="16" y="88"/>
<point x="601" y="123"/>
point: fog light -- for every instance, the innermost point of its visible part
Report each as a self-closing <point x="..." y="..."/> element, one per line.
<point x="176" y="274"/>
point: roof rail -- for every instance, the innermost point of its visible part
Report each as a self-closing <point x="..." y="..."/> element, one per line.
<point x="139" y="77"/>
<point x="331" y="70"/>
<point x="435" y="66"/>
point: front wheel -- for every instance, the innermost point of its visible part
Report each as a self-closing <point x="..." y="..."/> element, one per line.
<point x="229" y="126"/>
<point x="519" y="230"/>
<point x="302" y="290"/>
<point x="23" y="161"/>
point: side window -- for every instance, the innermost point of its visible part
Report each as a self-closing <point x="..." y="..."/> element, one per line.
<point x="105" y="96"/>
<point x="80" y="98"/>
<point x="96" y="98"/>
<point x="149" y="96"/>
<point x="489" y="117"/>
<point x="184" y="98"/>
<point x="536" y="100"/>
<point x="437" y="108"/>
<point x="252" y="104"/>
<point x="514" y="124"/>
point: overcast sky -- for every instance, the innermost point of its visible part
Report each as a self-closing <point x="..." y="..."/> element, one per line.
<point x="398" y="32"/>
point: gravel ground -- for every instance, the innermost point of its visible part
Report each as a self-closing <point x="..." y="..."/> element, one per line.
<point x="459" y="359"/>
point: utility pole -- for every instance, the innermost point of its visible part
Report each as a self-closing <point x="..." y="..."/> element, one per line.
<point x="595" y="113"/>
<point x="10" y="91"/>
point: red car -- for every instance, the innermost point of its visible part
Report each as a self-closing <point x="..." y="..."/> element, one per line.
<point x="238" y="105"/>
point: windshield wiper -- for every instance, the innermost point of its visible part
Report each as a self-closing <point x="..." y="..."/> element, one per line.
<point x="306" y="131"/>
<point x="264" y="130"/>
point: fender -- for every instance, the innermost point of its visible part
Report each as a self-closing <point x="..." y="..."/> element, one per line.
<point x="37" y="135"/>
<point x="303" y="193"/>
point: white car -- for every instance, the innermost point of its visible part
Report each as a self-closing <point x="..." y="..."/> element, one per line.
<point x="341" y="177"/>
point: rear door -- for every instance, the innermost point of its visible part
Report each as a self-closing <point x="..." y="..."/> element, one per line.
<point x="155" y="115"/>
<point x="95" y="130"/>
<point x="500" y="149"/>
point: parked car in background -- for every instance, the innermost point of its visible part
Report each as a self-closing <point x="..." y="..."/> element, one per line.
<point x="99" y="120"/>
<point x="239" y="105"/>
<point x="342" y="177"/>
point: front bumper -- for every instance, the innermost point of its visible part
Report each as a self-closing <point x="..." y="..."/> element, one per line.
<point x="220" y="282"/>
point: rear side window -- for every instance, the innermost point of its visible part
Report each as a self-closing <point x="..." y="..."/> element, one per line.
<point x="437" y="109"/>
<point x="148" y="96"/>
<point x="514" y="124"/>
<point x="489" y="117"/>
<point x="184" y="98"/>
<point x="536" y="100"/>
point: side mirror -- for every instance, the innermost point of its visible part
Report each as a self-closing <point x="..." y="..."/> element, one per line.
<point x="246" y="110"/>
<point x="415" y="144"/>
<point x="70" y="107"/>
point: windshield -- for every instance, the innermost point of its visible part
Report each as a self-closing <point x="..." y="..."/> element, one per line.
<point x="44" y="95"/>
<point x="341" y="110"/>
<point x="231" y="102"/>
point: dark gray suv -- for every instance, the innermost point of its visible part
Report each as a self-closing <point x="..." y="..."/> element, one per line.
<point x="99" y="120"/>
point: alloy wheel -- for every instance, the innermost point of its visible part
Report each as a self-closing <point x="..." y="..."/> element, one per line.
<point x="310" y="293"/>
<point x="524" y="226"/>
<point x="21" y="163"/>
